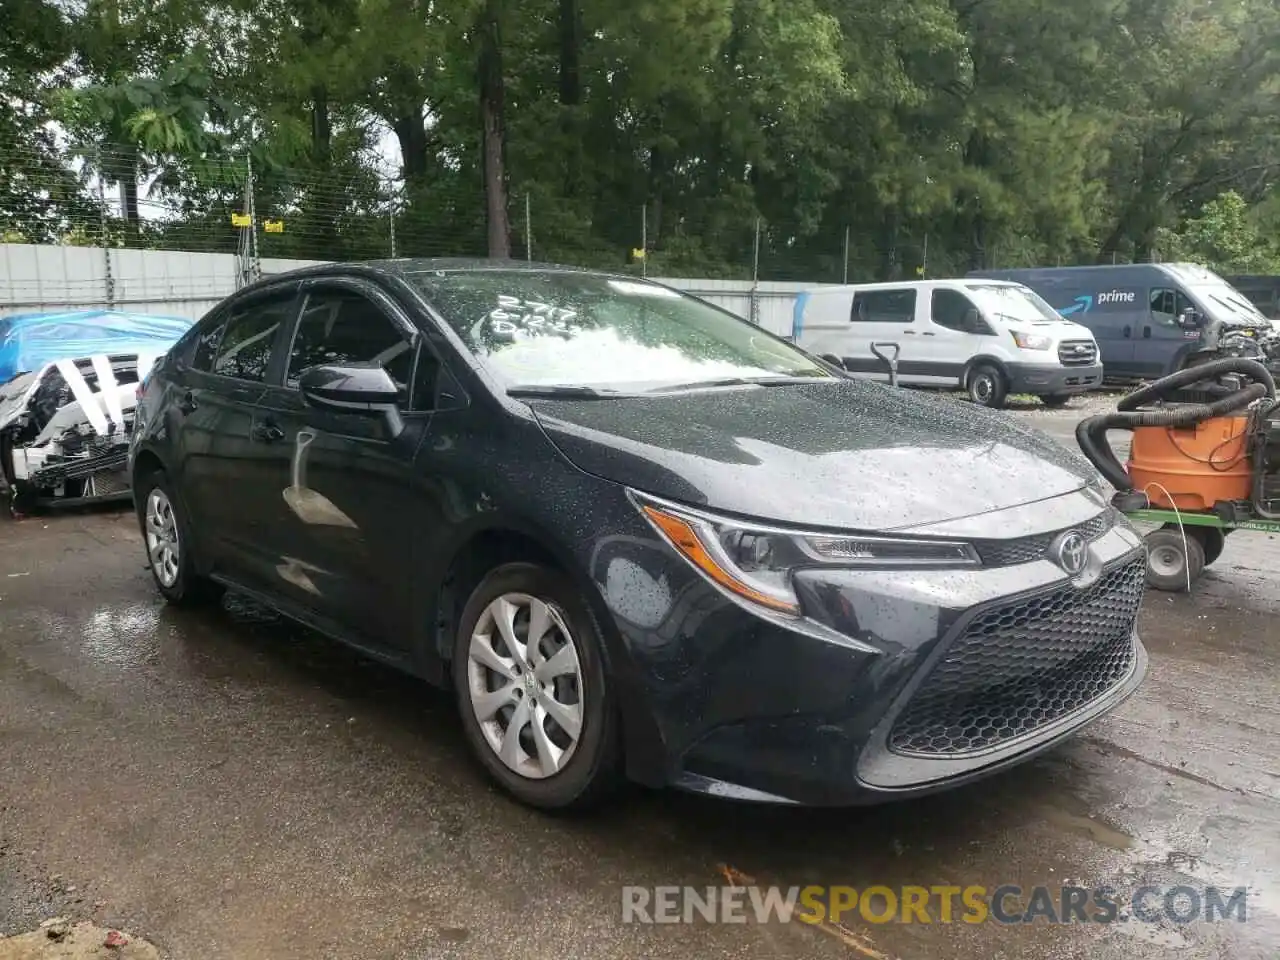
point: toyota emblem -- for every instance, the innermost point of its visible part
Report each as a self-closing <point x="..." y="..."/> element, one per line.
<point x="1070" y="551"/>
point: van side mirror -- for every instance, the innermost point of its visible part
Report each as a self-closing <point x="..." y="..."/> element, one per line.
<point x="1190" y="319"/>
<point x="363" y="390"/>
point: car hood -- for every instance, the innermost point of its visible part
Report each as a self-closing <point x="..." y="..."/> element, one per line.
<point x="849" y="454"/>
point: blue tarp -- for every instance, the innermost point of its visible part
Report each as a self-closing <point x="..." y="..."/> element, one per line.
<point x="29" y="341"/>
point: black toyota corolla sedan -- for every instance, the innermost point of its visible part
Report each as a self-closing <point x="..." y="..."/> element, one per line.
<point x="638" y="536"/>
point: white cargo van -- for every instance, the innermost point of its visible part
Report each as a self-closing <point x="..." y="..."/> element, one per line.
<point x="989" y="337"/>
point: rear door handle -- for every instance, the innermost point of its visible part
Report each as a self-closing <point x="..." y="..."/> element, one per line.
<point x="1128" y="332"/>
<point x="911" y="332"/>
<point x="188" y="403"/>
<point x="1146" y="331"/>
<point x="928" y="333"/>
<point x="267" y="432"/>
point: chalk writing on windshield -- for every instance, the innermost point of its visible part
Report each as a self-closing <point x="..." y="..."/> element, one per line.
<point x="514" y="316"/>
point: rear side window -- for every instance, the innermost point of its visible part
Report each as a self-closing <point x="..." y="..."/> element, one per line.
<point x="244" y="352"/>
<point x="206" y="346"/>
<point x="343" y="328"/>
<point x="883" y="306"/>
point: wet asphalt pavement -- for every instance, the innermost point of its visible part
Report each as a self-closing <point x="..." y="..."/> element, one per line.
<point x="230" y="786"/>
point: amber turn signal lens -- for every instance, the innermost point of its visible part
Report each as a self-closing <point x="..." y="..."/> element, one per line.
<point x="684" y="538"/>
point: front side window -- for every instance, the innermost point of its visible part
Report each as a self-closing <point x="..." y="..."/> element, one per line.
<point x="206" y="347"/>
<point x="884" y="306"/>
<point x="1167" y="305"/>
<point x="244" y="352"/>
<point x="562" y="328"/>
<point x="955" y="311"/>
<point x="344" y="328"/>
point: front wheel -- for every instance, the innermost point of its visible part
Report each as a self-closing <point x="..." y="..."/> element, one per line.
<point x="166" y="537"/>
<point x="535" y="700"/>
<point x="987" y="386"/>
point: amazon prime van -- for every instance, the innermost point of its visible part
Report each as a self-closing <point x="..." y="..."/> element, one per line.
<point x="1147" y="318"/>
<point x="988" y="337"/>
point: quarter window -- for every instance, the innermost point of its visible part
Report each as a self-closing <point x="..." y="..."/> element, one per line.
<point x="344" y="328"/>
<point x="884" y="306"/>
<point x="244" y="352"/>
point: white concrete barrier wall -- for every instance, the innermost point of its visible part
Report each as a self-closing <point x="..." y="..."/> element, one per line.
<point x="38" y="279"/>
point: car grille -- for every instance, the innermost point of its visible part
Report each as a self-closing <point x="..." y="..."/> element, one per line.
<point x="1021" y="666"/>
<point x="1077" y="353"/>
<point x="1007" y="553"/>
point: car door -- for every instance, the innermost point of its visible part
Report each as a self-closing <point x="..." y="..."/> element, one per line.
<point x="954" y="330"/>
<point x="216" y="394"/>
<point x="883" y="316"/>
<point x="344" y="504"/>
<point x="1160" y="337"/>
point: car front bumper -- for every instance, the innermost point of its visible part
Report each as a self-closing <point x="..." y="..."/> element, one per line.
<point x="892" y="684"/>
<point x="1048" y="379"/>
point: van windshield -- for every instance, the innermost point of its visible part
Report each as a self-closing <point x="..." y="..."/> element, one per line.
<point x="551" y="328"/>
<point x="1017" y="303"/>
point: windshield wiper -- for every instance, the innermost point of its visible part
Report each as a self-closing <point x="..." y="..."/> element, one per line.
<point x="560" y="391"/>
<point x="779" y="381"/>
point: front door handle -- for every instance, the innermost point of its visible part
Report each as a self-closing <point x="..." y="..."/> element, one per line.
<point x="1128" y="333"/>
<point x="928" y="333"/>
<point x="267" y="432"/>
<point x="1146" y="332"/>
<point x="188" y="403"/>
<point x="911" y="332"/>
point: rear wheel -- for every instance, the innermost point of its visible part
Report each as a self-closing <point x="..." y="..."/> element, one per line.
<point x="167" y="540"/>
<point x="1055" y="400"/>
<point x="1174" y="562"/>
<point x="535" y="701"/>
<point x="1212" y="540"/>
<point x="987" y="386"/>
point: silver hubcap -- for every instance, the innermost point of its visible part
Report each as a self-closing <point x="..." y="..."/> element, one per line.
<point x="982" y="387"/>
<point x="163" y="547"/>
<point x="1166" y="561"/>
<point x="525" y="682"/>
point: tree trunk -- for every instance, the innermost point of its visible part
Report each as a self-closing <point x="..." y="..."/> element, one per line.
<point x="890" y="266"/>
<point x="493" y="131"/>
<point x="412" y="134"/>
<point x="321" y="127"/>
<point x="570" y="54"/>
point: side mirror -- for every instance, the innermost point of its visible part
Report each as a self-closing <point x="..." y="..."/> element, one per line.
<point x="1189" y="319"/>
<point x="358" y="390"/>
<point x="835" y="361"/>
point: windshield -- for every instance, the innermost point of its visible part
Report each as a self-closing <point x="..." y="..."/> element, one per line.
<point x="1020" y="304"/>
<point x="552" y="328"/>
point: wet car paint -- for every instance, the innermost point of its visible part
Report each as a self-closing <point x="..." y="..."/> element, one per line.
<point x="230" y="785"/>
<point x="713" y="694"/>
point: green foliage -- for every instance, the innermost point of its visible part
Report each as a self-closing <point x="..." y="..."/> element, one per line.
<point x="930" y="134"/>
<point x="1225" y="238"/>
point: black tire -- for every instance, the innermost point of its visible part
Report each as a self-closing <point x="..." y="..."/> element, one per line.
<point x="592" y="771"/>
<point x="1212" y="540"/>
<point x="1173" y="562"/>
<point x="987" y="386"/>
<point x="188" y="587"/>
<point x="1055" y="400"/>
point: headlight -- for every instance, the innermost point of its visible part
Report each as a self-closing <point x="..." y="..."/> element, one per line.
<point x="1031" y="341"/>
<point x="756" y="563"/>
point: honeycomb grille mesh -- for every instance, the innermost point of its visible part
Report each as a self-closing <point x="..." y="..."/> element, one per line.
<point x="1022" y="666"/>
<point x="1008" y="553"/>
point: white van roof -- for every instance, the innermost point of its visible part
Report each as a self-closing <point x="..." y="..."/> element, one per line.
<point x="913" y="285"/>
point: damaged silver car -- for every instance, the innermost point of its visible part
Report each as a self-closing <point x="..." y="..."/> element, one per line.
<point x="64" y="429"/>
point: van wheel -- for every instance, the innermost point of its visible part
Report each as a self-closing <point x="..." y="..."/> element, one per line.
<point x="1055" y="400"/>
<point x="987" y="386"/>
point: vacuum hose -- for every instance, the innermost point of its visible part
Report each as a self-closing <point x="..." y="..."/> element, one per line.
<point x="1091" y="434"/>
